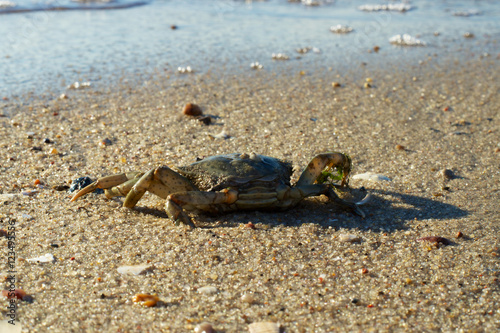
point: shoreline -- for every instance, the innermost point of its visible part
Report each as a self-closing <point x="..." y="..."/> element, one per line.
<point x="412" y="123"/>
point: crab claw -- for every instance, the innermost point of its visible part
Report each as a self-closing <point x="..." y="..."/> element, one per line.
<point x="87" y="189"/>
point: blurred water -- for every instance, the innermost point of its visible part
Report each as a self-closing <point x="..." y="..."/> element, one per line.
<point x="49" y="49"/>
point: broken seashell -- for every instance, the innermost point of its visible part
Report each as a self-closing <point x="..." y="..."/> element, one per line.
<point x="43" y="259"/>
<point x="147" y="300"/>
<point x="264" y="327"/>
<point x="134" y="270"/>
<point x="371" y="176"/>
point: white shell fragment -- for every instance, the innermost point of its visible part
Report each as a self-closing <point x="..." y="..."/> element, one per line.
<point x="207" y="290"/>
<point x="371" y="176"/>
<point x="349" y="238"/>
<point x="406" y="40"/>
<point x="43" y="259"/>
<point x="341" y="29"/>
<point x="264" y="327"/>
<point x="185" y="70"/>
<point x="279" y="56"/>
<point x="134" y="270"/>
<point x="221" y="135"/>
<point x="78" y="85"/>
<point x="256" y="65"/>
<point x="396" y="7"/>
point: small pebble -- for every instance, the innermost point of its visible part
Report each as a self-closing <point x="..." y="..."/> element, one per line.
<point x="191" y="109"/>
<point x="47" y="141"/>
<point x="400" y="147"/>
<point x="146" y="300"/>
<point x="37" y="182"/>
<point x="105" y="142"/>
<point x="207" y="290"/>
<point x="459" y="235"/>
<point x="63" y="96"/>
<point x="435" y="239"/>
<point x="60" y="187"/>
<point x="250" y="225"/>
<point x="17" y="293"/>
<point x="376" y="48"/>
<point x="468" y="35"/>
<point x="173" y="27"/>
<point x="364" y="271"/>
<point x="349" y="238"/>
<point x="204" y="328"/>
<point x="264" y="327"/>
<point x="447" y="174"/>
<point x="336" y="84"/>
<point x="247" y="298"/>
<point x="54" y="151"/>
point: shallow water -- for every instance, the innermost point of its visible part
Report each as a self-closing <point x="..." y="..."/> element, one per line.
<point x="50" y="49"/>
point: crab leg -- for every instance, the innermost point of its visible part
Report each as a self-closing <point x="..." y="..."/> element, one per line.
<point x="106" y="183"/>
<point x="322" y="161"/>
<point x="196" y="199"/>
<point x="296" y="194"/>
<point x="161" y="181"/>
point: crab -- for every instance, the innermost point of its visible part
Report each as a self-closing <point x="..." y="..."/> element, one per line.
<point x="231" y="182"/>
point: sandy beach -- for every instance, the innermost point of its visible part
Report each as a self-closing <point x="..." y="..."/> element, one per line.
<point x="313" y="268"/>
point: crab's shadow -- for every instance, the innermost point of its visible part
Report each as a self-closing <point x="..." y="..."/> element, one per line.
<point x="386" y="211"/>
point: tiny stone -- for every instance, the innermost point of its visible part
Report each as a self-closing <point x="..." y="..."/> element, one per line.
<point x="348" y="238"/>
<point x="47" y="141"/>
<point x="204" y="328"/>
<point x="447" y="174"/>
<point x="60" y="187"/>
<point x="247" y="298"/>
<point x="54" y="151"/>
<point x="400" y="147"/>
<point x="207" y="290"/>
<point x="468" y="35"/>
<point x="191" y="109"/>
<point x="459" y="234"/>
<point x="105" y="142"/>
<point x="376" y="48"/>
<point x="336" y="84"/>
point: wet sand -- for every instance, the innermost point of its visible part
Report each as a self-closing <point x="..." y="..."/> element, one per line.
<point x="413" y="122"/>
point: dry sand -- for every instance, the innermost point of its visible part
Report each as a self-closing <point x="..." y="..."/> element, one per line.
<point x="444" y="114"/>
